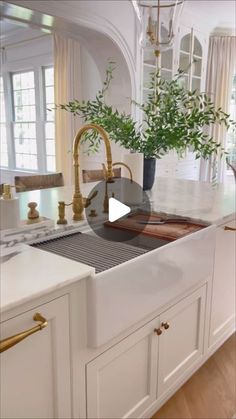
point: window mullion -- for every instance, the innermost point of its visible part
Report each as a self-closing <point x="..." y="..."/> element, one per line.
<point x="7" y="83"/>
<point x="40" y="135"/>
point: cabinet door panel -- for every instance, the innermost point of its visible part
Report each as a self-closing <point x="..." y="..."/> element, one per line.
<point x="182" y="343"/>
<point x="35" y="373"/>
<point x="121" y="383"/>
<point x="223" y="288"/>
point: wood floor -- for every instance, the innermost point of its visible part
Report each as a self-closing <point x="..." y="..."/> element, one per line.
<point x="210" y="392"/>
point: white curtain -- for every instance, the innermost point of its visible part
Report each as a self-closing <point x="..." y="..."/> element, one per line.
<point x="220" y="70"/>
<point x="67" y="70"/>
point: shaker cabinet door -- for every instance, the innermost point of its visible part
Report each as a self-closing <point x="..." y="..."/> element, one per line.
<point x="222" y="320"/>
<point x="121" y="383"/>
<point x="35" y="373"/>
<point x="181" y="342"/>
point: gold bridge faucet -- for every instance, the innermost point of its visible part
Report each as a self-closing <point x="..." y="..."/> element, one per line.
<point x="79" y="203"/>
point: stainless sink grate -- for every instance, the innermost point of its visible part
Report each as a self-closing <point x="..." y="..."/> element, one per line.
<point x="93" y="251"/>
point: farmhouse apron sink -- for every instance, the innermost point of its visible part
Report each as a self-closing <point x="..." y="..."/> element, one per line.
<point x="134" y="278"/>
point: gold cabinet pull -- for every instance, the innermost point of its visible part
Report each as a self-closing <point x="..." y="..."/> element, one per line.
<point x="165" y="325"/>
<point x="158" y="331"/>
<point x="13" y="340"/>
<point x="229" y="228"/>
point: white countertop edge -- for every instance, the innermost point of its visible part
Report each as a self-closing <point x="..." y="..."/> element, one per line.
<point x="45" y="291"/>
<point x="19" y="289"/>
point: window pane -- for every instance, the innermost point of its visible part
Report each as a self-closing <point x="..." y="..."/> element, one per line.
<point x="50" y="131"/>
<point x="51" y="164"/>
<point x="3" y="134"/>
<point x="231" y="135"/>
<point x="49" y="115"/>
<point x="25" y="120"/>
<point x="50" y="94"/>
<point x="49" y="76"/>
<point x="50" y="146"/>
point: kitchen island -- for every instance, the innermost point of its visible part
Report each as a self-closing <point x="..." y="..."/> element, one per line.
<point x="119" y="344"/>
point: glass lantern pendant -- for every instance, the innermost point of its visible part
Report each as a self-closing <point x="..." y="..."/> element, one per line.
<point x="160" y="20"/>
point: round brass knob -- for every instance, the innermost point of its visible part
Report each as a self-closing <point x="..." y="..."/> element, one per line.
<point x="165" y="325"/>
<point x="158" y="331"/>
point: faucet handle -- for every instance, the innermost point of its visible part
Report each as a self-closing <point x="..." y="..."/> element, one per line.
<point x="87" y="201"/>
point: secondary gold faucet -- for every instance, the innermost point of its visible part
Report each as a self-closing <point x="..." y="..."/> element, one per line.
<point x="106" y="198"/>
<point x="79" y="203"/>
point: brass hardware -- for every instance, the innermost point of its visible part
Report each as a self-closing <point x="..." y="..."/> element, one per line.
<point x="61" y="212"/>
<point x="78" y="201"/>
<point x="13" y="340"/>
<point x="32" y="213"/>
<point x="93" y="213"/>
<point x="165" y="325"/>
<point x="7" y="191"/>
<point x="229" y="228"/>
<point x="119" y="163"/>
<point x="106" y="199"/>
<point x="158" y="331"/>
<point x="87" y="201"/>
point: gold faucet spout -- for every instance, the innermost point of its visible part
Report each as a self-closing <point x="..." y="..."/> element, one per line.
<point x="79" y="203"/>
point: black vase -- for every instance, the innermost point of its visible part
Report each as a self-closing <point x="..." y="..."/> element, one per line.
<point x="149" y="168"/>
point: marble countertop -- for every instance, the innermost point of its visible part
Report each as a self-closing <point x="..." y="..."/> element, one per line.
<point x="21" y="263"/>
<point x="28" y="273"/>
<point x="187" y="198"/>
<point x="196" y="200"/>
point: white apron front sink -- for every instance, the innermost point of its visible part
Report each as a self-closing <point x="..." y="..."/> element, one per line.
<point x="126" y="294"/>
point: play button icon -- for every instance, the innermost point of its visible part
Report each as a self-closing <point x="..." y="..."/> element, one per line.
<point x="117" y="210"/>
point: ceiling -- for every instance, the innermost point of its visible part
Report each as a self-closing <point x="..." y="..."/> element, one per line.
<point x="217" y="13"/>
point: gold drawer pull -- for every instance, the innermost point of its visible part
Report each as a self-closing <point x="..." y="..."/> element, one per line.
<point x="13" y="340"/>
<point x="229" y="228"/>
<point x="165" y="325"/>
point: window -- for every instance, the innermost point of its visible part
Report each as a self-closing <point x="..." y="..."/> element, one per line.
<point x="31" y="134"/>
<point x="24" y="121"/>
<point x="49" y="119"/>
<point x="3" y="134"/>
<point x="231" y="137"/>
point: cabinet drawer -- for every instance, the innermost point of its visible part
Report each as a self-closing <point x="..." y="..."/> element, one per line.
<point x="35" y="373"/>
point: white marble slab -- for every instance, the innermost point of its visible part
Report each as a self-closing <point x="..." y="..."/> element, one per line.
<point x="196" y="200"/>
<point x="27" y="273"/>
<point x="188" y="198"/>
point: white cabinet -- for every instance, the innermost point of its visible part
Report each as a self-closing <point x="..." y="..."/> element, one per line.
<point x="191" y="56"/>
<point x="121" y="383"/>
<point x="222" y="320"/>
<point x="35" y="373"/>
<point x="181" y="345"/>
<point x="125" y="380"/>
